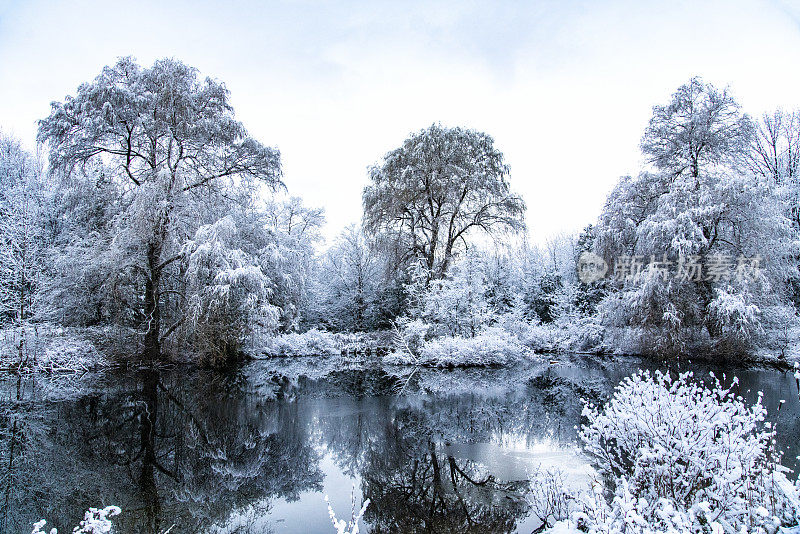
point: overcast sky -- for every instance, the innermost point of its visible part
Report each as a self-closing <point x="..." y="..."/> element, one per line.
<point x="565" y="88"/>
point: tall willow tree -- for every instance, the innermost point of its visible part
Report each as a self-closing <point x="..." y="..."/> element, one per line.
<point x="440" y="186"/>
<point x="179" y="156"/>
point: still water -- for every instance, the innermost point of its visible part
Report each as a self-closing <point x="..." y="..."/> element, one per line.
<point x="255" y="449"/>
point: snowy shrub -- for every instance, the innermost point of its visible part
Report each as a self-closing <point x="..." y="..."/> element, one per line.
<point x="492" y="347"/>
<point x="455" y="305"/>
<point x="684" y="456"/>
<point x="317" y="342"/>
<point x="628" y="515"/>
<point x="41" y="348"/>
<point x="311" y="343"/>
<point x="95" y="521"/>
<point x="582" y="335"/>
<point x="514" y="320"/>
<point x="69" y="354"/>
<point x="541" y="337"/>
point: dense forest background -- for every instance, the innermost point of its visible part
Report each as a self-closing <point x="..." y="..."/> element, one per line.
<point x="149" y="222"/>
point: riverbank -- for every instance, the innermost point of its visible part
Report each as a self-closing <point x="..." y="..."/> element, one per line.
<point x="42" y="348"/>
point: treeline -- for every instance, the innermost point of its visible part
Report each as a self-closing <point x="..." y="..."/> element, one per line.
<point x="696" y="253"/>
<point x="154" y="216"/>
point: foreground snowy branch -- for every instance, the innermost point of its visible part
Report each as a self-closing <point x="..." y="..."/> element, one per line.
<point x="95" y="521"/>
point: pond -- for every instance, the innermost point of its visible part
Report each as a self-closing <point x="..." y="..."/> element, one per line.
<point x="255" y="449"/>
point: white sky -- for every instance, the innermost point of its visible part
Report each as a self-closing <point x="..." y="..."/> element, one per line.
<point x="565" y="88"/>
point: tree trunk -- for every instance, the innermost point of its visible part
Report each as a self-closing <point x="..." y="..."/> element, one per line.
<point x="152" y="344"/>
<point x="706" y="296"/>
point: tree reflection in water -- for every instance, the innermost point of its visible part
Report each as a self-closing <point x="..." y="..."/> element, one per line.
<point x="413" y="487"/>
<point x="165" y="450"/>
<point x="214" y="451"/>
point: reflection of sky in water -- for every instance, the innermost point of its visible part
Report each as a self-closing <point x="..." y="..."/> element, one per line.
<point x="518" y="459"/>
<point x="309" y="513"/>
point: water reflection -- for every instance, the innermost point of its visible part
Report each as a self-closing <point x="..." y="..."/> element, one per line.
<point x="255" y="449"/>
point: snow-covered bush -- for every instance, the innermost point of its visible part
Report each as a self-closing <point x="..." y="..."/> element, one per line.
<point x="43" y="348"/>
<point x="548" y="499"/>
<point x="492" y="347"/>
<point x="95" y="521"/>
<point x="455" y="305"/>
<point x="69" y="354"/>
<point x="317" y="342"/>
<point x="584" y="334"/>
<point x="311" y="343"/>
<point x="541" y="337"/>
<point x="685" y="457"/>
<point x="628" y="515"/>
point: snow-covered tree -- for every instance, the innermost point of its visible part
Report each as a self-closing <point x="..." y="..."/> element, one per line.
<point x="288" y="259"/>
<point x="701" y="128"/>
<point x="588" y="294"/>
<point x="775" y="156"/>
<point x="82" y="283"/>
<point x="427" y="197"/>
<point x="676" y="237"/>
<point x="549" y="279"/>
<point x="775" y="148"/>
<point x="348" y="279"/>
<point x="456" y="305"/>
<point x="173" y="146"/>
<point x="21" y="203"/>
<point x="227" y="291"/>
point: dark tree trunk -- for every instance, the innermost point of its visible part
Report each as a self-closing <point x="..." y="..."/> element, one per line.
<point x="15" y="431"/>
<point x="706" y="291"/>
<point x="147" y="433"/>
